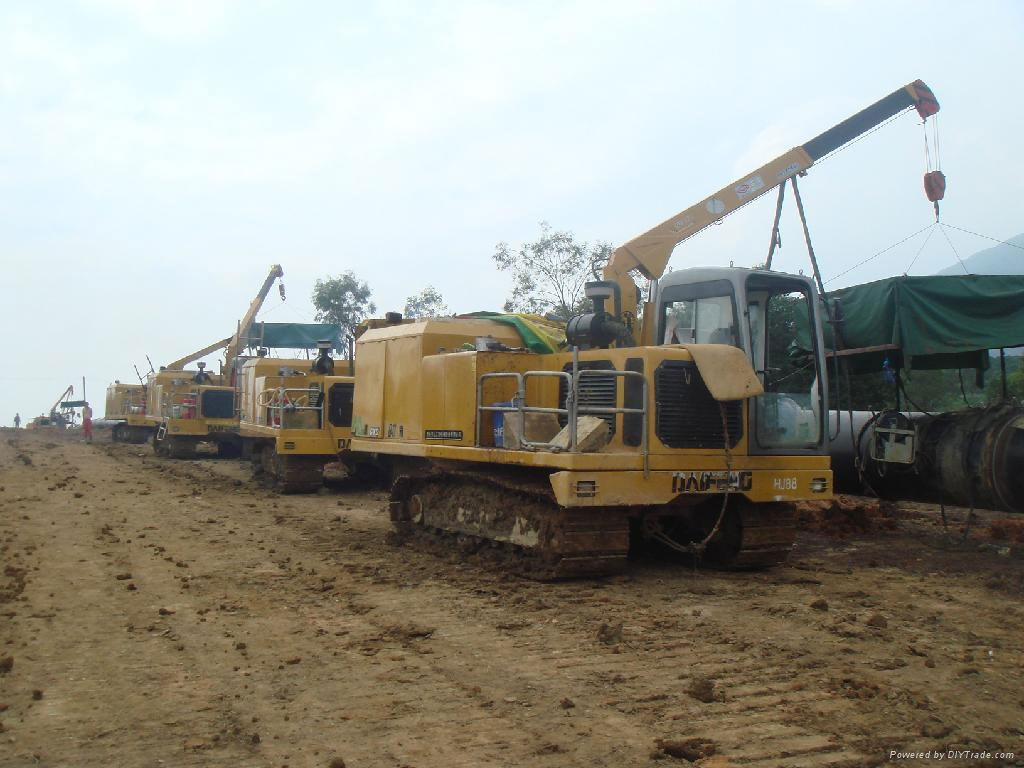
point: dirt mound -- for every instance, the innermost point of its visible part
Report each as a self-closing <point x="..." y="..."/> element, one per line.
<point x="13" y="584"/>
<point x="1010" y="531"/>
<point x="687" y="749"/>
<point x="845" y="516"/>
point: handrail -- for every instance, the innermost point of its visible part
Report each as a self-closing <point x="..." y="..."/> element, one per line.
<point x="179" y="404"/>
<point x="572" y="410"/>
<point x="642" y="412"/>
<point x="288" y="402"/>
<point x="189" y="399"/>
<point x="278" y="400"/>
<point x="519" y="396"/>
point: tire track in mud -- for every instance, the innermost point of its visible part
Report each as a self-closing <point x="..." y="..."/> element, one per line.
<point x="372" y="641"/>
<point x="616" y="683"/>
<point x="85" y="713"/>
<point x="813" y="718"/>
<point x="783" y="702"/>
<point x="293" y="611"/>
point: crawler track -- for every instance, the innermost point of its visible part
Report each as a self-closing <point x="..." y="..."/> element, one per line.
<point x="124" y="433"/>
<point x="515" y="519"/>
<point x="519" y="518"/>
<point x="170" y="447"/>
<point x="292" y="474"/>
<point x="754" y="536"/>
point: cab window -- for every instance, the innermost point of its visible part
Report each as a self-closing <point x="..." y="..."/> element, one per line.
<point x="704" y="313"/>
<point x="788" y="414"/>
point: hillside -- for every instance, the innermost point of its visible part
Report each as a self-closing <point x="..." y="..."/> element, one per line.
<point x="1001" y="259"/>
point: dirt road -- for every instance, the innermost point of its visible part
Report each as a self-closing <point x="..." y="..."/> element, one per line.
<point x="161" y="613"/>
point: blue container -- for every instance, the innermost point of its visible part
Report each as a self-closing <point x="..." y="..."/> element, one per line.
<point x="499" y="425"/>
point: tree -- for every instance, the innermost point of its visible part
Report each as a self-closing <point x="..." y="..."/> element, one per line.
<point x="1014" y="380"/>
<point x="427" y="303"/>
<point x="549" y="274"/>
<point x="345" y="302"/>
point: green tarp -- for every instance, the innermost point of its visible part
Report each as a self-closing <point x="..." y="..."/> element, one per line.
<point x="293" y="335"/>
<point x="936" y="321"/>
<point x="538" y="334"/>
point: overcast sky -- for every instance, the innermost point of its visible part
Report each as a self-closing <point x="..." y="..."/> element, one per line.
<point x="157" y="157"/>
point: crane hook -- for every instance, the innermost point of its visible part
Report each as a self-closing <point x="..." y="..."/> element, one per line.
<point x="935" y="188"/>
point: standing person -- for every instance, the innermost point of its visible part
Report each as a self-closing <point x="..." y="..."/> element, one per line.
<point x="87" y="422"/>
<point x="17" y="421"/>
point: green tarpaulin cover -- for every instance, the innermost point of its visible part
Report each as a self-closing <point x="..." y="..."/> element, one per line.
<point x="538" y="334"/>
<point x="293" y="335"/>
<point x="943" y="321"/>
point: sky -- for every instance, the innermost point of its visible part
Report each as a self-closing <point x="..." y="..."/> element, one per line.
<point x="157" y="157"/>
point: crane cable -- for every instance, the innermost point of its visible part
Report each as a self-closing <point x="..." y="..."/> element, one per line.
<point x="934" y="179"/>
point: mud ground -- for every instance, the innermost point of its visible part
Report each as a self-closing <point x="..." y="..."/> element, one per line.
<point x="162" y="613"/>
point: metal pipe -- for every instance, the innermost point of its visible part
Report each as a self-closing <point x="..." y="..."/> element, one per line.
<point x="570" y="398"/>
<point x="972" y="457"/>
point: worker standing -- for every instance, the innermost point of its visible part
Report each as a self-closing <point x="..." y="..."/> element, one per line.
<point x="87" y="422"/>
<point x="17" y="421"/>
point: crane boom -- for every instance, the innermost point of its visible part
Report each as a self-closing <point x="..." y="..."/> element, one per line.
<point x="235" y="342"/>
<point x="649" y="253"/>
<point x="63" y="396"/>
<point x="181" y="362"/>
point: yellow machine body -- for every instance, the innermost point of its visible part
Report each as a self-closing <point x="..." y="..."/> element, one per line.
<point x="126" y="405"/>
<point x="46" y="424"/>
<point x="126" y="402"/>
<point x="185" y="413"/>
<point x="415" y="398"/>
<point x="715" y="387"/>
<point x="283" y="401"/>
<point x="293" y="421"/>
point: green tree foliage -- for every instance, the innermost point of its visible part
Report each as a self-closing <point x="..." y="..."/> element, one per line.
<point x="549" y="274"/>
<point x="931" y="391"/>
<point x="343" y="301"/>
<point x="427" y="303"/>
<point x="1014" y="380"/>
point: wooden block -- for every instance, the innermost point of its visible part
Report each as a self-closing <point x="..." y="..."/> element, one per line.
<point x="592" y="435"/>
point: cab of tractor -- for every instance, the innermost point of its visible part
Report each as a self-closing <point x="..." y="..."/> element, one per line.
<point x="775" y="318"/>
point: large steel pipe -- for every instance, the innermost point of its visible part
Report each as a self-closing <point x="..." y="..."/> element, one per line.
<point x="972" y="458"/>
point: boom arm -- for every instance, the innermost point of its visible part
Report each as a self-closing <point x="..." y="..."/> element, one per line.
<point x="63" y="395"/>
<point x="180" y="363"/>
<point x="649" y="253"/>
<point x="235" y="342"/>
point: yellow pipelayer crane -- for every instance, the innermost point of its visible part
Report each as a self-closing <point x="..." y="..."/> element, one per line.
<point x="697" y="430"/>
<point x="60" y="415"/>
<point x="126" y="406"/>
<point x="295" y="417"/>
<point x="187" y="408"/>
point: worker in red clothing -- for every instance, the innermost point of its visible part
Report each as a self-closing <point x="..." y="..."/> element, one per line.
<point x="87" y="422"/>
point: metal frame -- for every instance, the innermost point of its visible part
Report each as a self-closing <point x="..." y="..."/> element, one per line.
<point x="171" y="400"/>
<point x="572" y="411"/>
<point x="175" y="399"/>
<point x="262" y="403"/>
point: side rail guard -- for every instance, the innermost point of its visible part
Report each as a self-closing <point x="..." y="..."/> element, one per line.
<point x="519" y="407"/>
<point x="288" y="399"/>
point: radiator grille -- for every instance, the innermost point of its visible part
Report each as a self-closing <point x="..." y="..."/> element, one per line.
<point x="687" y="416"/>
<point x="595" y="391"/>
<point x="218" y="403"/>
